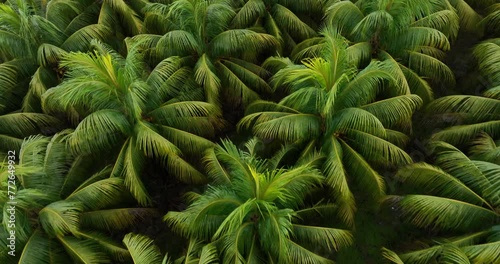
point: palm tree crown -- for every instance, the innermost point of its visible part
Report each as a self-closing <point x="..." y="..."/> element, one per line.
<point x="255" y="212"/>
<point x="335" y="107"/>
<point x="198" y="32"/>
<point x="65" y="206"/>
<point x="145" y="114"/>
<point x="412" y="35"/>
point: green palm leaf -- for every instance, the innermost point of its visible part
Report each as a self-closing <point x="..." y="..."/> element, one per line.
<point x="142" y="249"/>
<point x="437" y="212"/>
<point x="85" y="251"/>
<point x="60" y="218"/>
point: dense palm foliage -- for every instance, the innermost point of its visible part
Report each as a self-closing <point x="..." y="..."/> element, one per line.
<point x="333" y="107"/>
<point x="471" y="114"/>
<point x="459" y="194"/>
<point x="61" y="212"/>
<point x="288" y="21"/>
<point x="198" y="33"/>
<point x="255" y="212"/>
<point x="121" y="106"/>
<point x="263" y="131"/>
<point x="412" y="35"/>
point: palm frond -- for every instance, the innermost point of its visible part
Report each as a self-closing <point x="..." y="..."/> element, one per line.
<point x="358" y="119"/>
<point x="375" y="149"/>
<point x="475" y="108"/>
<point x="457" y="135"/>
<point x="315" y="235"/>
<point x="60" y="218"/>
<point x="287" y="127"/>
<point x="488" y="252"/>
<point x="443" y="20"/>
<point x="453" y="254"/>
<point x="111" y="247"/>
<point x="99" y="131"/>
<point x="83" y="251"/>
<point x="21" y="125"/>
<point x="434" y="181"/>
<point x="235" y="41"/>
<point x="297" y="253"/>
<point x="362" y="173"/>
<point x="128" y="166"/>
<point x="142" y="249"/>
<point x="291" y="23"/>
<point x="418" y="85"/>
<point x="392" y="256"/>
<point x="204" y="74"/>
<point x="100" y="194"/>
<point x="178" y="43"/>
<point x="248" y="13"/>
<point x="430" y="67"/>
<point x="344" y="15"/>
<point x="449" y="214"/>
<point x="81" y="39"/>
<point x="36" y="249"/>
<point x="127" y="15"/>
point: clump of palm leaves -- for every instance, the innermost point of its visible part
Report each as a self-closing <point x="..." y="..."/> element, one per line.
<point x="66" y="208"/>
<point x="255" y="212"/>
<point x="118" y="104"/>
<point x="352" y="116"/>
<point x="457" y="194"/>
<point x="198" y="32"/>
<point x="472" y="114"/>
<point x="101" y="97"/>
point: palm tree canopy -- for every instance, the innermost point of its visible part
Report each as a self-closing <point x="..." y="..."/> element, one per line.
<point x="334" y="106"/>
<point x="472" y="114"/>
<point x="457" y="193"/>
<point x="116" y="101"/>
<point x="255" y="211"/>
<point x="61" y="212"/>
<point x="219" y="57"/>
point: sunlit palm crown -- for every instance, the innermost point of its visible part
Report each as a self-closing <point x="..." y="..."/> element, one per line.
<point x="64" y="207"/>
<point x="222" y="59"/>
<point x="457" y="193"/>
<point x="353" y="116"/>
<point x="145" y="114"/>
<point x="412" y="35"/>
<point x="36" y="34"/>
<point x="255" y="212"/>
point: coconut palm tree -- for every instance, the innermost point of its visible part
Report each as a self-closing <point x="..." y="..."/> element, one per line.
<point x="64" y="206"/>
<point x="412" y="35"/>
<point x="290" y="22"/>
<point x="352" y="116"/>
<point x="472" y="114"/>
<point x="33" y="37"/>
<point x="118" y="104"/>
<point x="256" y="212"/>
<point x="457" y="195"/>
<point x="222" y="59"/>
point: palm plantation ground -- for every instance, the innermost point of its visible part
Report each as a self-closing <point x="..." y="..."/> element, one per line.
<point x="250" y="131"/>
